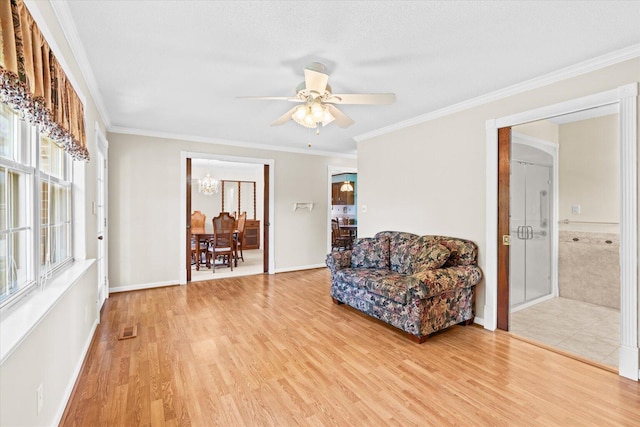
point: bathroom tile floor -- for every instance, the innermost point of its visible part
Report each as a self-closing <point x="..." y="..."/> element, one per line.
<point x="587" y="330"/>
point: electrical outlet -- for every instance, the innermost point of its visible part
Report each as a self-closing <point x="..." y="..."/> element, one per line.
<point x="575" y="209"/>
<point x="40" y="398"/>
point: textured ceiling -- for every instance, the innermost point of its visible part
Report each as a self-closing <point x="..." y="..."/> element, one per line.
<point x="177" y="67"/>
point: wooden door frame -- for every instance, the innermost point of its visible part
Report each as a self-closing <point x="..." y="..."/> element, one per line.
<point x="102" y="146"/>
<point x="269" y="237"/>
<point x="335" y="170"/>
<point x="187" y="223"/>
<point x="626" y="98"/>
<point x="266" y="224"/>
<point x="504" y="182"/>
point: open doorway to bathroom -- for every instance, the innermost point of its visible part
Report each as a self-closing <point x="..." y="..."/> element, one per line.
<point x="564" y="275"/>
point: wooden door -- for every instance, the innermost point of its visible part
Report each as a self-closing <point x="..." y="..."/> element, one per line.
<point x="504" y="177"/>
<point x="265" y="239"/>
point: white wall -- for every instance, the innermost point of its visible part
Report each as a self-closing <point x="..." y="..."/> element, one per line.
<point x="541" y="129"/>
<point x="436" y="175"/>
<point x="144" y="207"/>
<point x="589" y="155"/>
<point x="51" y="356"/>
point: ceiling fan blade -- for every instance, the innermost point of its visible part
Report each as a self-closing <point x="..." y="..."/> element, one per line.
<point x="272" y="98"/>
<point x="362" y="98"/>
<point x="315" y="81"/>
<point x="342" y="119"/>
<point x="284" y="118"/>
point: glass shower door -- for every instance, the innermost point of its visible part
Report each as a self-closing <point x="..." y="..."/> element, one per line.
<point x="530" y="254"/>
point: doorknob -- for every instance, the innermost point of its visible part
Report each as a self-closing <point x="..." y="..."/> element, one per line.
<point x="100" y="237"/>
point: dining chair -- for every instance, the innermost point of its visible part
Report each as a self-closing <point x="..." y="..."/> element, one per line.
<point x="338" y="241"/>
<point x="222" y="245"/>
<point x="197" y="227"/>
<point x="242" y="219"/>
<point x="197" y="222"/>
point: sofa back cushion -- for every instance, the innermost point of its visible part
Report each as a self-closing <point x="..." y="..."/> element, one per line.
<point x="425" y="255"/>
<point x="370" y="252"/>
<point x="400" y="245"/>
<point x="463" y="252"/>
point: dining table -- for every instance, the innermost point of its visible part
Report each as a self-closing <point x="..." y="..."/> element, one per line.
<point x="352" y="229"/>
<point x="206" y="237"/>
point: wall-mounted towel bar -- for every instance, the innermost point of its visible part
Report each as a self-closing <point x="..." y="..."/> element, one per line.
<point x="568" y="221"/>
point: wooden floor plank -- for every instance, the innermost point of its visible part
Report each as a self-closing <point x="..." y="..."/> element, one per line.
<point x="275" y="350"/>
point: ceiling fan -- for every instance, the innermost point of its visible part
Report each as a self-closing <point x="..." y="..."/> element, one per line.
<point x="318" y="101"/>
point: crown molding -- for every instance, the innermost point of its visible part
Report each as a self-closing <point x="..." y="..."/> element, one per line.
<point x="590" y="65"/>
<point x="68" y="26"/>
<point x="217" y="141"/>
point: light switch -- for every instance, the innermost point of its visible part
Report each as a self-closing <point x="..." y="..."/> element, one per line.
<point x="575" y="209"/>
<point x="364" y="208"/>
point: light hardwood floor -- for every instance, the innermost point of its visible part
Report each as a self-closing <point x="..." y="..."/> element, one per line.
<point x="274" y="350"/>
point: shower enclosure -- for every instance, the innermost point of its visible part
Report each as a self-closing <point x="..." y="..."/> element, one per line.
<point x="530" y="266"/>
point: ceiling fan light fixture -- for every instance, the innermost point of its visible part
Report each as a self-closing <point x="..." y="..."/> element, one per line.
<point x="300" y="113"/>
<point x="317" y="111"/>
<point x="309" y="121"/>
<point x="303" y="117"/>
<point x="328" y="117"/>
<point x="312" y="114"/>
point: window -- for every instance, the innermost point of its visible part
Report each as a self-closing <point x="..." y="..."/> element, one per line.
<point x="55" y="205"/>
<point x="35" y="206"/>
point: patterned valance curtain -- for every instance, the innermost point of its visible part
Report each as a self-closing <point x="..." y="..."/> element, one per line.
<point x="33" y="82"/>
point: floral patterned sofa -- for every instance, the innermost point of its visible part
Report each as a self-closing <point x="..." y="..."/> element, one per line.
<point x="419" y="284"/>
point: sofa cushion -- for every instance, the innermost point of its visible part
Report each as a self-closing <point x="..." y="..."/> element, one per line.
<point x="363" y="277"/>
<point x="424" y="255"/>
<point x="370" y="252"/>
<point x="400" y="244"/>
<point x="395" y="287"/>
<point x="463" y="252"/>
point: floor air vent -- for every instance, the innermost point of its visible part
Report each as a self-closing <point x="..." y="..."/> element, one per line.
<point x="128" y="332"/>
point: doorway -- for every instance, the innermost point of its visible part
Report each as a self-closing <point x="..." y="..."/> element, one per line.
<point x="101" y="210"/>
<point x="255" y="196"/>
<point x="577" y="310"/>
<point x="498" y="167"/>
<point x="341" y="200"/>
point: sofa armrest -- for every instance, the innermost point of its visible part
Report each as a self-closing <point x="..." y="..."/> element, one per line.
<point x="338" y="260"/>
<point x="427" y="283"/>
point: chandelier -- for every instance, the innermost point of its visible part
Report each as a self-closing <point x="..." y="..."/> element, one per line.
<point x="207" y="185"/>
<point x="312" y="114"/>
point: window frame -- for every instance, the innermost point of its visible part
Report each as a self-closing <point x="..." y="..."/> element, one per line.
<point x="24" y="157"/>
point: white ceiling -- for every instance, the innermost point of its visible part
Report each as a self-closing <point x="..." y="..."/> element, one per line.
<point x="177" y="67"/>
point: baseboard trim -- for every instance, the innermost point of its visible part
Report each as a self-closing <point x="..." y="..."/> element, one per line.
<point x="76" y="373"/>
<point x="143" y="286"/>
<point x="479" y="321"/>
<point x="300" y="268"/>
<point x="629" y="362"/>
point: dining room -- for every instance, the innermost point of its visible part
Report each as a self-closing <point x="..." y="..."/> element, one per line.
<point x="227" y="206"/>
